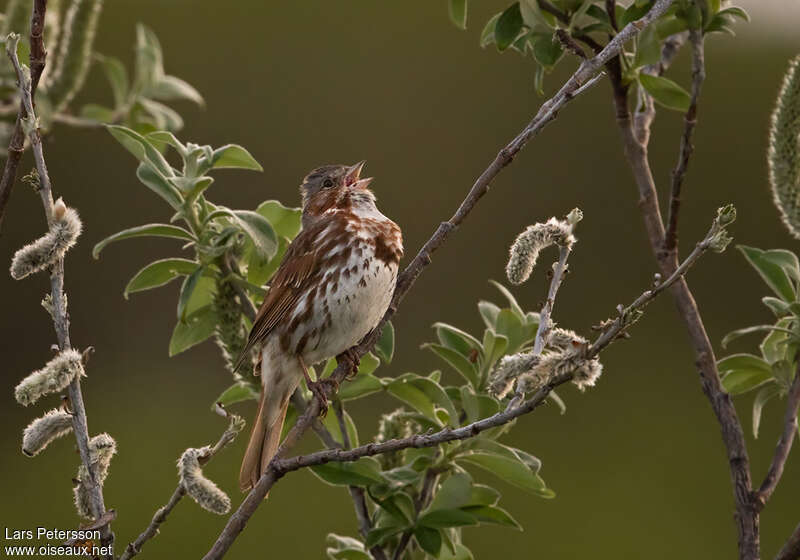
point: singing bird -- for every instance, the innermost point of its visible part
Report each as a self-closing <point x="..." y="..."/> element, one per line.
<point x="333" y="286"/>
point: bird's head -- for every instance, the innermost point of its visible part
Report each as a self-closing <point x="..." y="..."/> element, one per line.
<point x="334" y="186"/>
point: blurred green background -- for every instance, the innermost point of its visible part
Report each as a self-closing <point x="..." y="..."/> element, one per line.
<point x="637" y="463"/>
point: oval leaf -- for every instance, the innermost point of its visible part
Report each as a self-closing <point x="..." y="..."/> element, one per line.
<point x="159" y="273"/>
<point x="666" y="92"/>
<point x="152" y="230"/>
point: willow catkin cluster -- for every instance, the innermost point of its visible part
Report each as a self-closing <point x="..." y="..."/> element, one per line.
<point x="202" y="490"/>
<point x="74" y="56"/>
<point x="102" y="448"/>
<point x="231" y="333"/>
<point x="45" y="251"/>
<point x="395" y="425"/>
<point x="509" y="370"/>
<point x="53" y="377"/>
<point x="42" y="431"/>
<point x="783" y="155"/>
<point x="585" y="371"/>
<point x="528" y="244"/>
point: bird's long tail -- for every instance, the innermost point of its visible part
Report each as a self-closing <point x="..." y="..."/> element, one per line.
<point x="264" y="438"/>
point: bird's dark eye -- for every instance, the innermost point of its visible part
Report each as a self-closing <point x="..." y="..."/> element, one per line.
<point x="327" y="183"/>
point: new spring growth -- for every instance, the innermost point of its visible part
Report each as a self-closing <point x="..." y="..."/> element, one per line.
<point x="102" y="448"/>
<point x="720" y="239"/>
<point x="528" y="244"/>
<point x="53" y="377"/>
<point x="509" y="370"/>
<point x="783" y="155"/>
<point x="47" y="250"/>
<point x="397" y="424"/>
<point x="42" y="431"/>
<point x="202" y="490"/>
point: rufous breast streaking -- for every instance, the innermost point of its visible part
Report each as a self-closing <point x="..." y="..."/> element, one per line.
<point x="333" y="286"/>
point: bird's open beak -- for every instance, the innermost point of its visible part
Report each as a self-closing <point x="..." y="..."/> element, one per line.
<point x="353" y="177"/>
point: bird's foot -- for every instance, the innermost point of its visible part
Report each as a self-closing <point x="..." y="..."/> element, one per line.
<point x="317" y="389"/>
<point x="352" y="360"/>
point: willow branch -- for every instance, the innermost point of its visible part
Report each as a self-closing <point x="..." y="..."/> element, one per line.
<point x="16" y="146"/>
<point x="635" y="136"/>
<point x="791" y="550"/>
<point x="784" y="444"/>
<point x="163" y="512"/>
<point x="60" y="317"/>
<point x="686" y="147"/>
<point x="583" y="78"/>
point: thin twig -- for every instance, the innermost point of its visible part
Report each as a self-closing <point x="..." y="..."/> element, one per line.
<point x="583" y="78"/>
<point x="784" y="444"/>
<point x="686" y="147"/>
<point x="60" y="316"/>
<point x="635" y="135"/>
<point x="16" y="146"/>
<point x="545" y="323"/>
<point x="134" y="548"/>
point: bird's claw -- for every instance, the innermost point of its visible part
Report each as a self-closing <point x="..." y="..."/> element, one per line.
<point x="317" y="389"/>
<point x="352" y="359"/>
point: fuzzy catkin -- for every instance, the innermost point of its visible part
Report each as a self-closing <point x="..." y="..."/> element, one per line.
<point x="525" y="250"/>
<point x="202" y="490"/>
<point x="42" y="431"/>
<point x="53" y="377"/>
<point x="509" y="370"/>
<point x="74" y="56"/>
<point x="783" y="155"/>
<point x="395" y="425"/>
<point x="230" y="333"/>
<point x="45" y="251"/>
<point x="102" y="448"/>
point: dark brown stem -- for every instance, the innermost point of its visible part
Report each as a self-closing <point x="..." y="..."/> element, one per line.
<point x="584" y="77"/>
<point x="635" y="136"/>
<point x="686" y="147"/>
<point x="16" y="146"/>
<point x="546" y="6"/>
<point x="611" y="10"/>
<point x="784" y="444"/>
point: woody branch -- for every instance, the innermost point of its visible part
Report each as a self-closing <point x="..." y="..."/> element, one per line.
<point x="583" y="78"/>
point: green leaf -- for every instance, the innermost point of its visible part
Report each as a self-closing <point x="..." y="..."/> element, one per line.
<point x="97" y="113"/>
<point x="487" y="35"/>
<point x="774" y="345"/>
<point x="238" y="392"/>
<point x="547" y="50"/>
<point x="456" y="339"/>
<point x="166" y="137"/>
<point x="187" y="288"/>
<point x="489" y="313"/>
<point x="777" y="306"/>
<point x="508" y="27"/>
<point x="159" y="273"/>
<point x="786" y="260"/>
<point x="454" y="492"/>
<point x="164" y="117"/>
<point x="422" y="393"/>
<point x="199" y="325"/>
<point x="379" y="535"/>
<point x="773" y="274"/>
<point x="142" y="150"/>
<point x="364" y="384"/>
<point x="762" y="397"/>
<point x="285" y="221"/>
<point x="493" y="515"/>
<point x="363" y="472"/>
<point x="345" y="548"/>
<point x="150" y="178"/>
<point x="743" y="372"/>
<point x="443" y="518"/>
<point x="384" y="348"/>
<point x="513" y="471"/>
<point x="331" y="422"/>
<point x="259" y="230"/>
<point x="494" y="348"/>
<point x="482" y="495"/>
<point x="461" y="364"/>
<point x="153" y="230"/>
<point x="648" y="48"/>
<point x="735" y="11"/>
<point x="458" y="13"/>
<point x="749" y="330"/>
<point x="429" y="540"/>
<point x="532" y="14"/>
<point x="512" y="301"/>
<point x="666" y="92"/>
<point x="461" y="553"/>
<point x="149" y="58"/>
<point x="170" y="88"/>
<point x="510" y="326"/>
<point x="117" y="78"/>
<point x="635" y="11"/>
<point x="234" y="156"/>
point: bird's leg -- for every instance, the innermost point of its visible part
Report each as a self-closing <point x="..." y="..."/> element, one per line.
<point x="317" y="387"/>
<point x="351" y="358"/>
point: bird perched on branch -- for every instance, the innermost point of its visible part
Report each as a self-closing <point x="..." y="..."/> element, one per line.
<point x="333" y="286"/>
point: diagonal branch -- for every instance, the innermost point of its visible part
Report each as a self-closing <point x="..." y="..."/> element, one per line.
<point x="611" y="331"/>
<point x="635" y="137"/>
<point x="791" y="550"/>
<point x="60" y="316"/>
<point x="686" y="147"/>
<point x="784" y="444"/>
<point x="16" y="146"/>
<point x="583" y="78"/>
